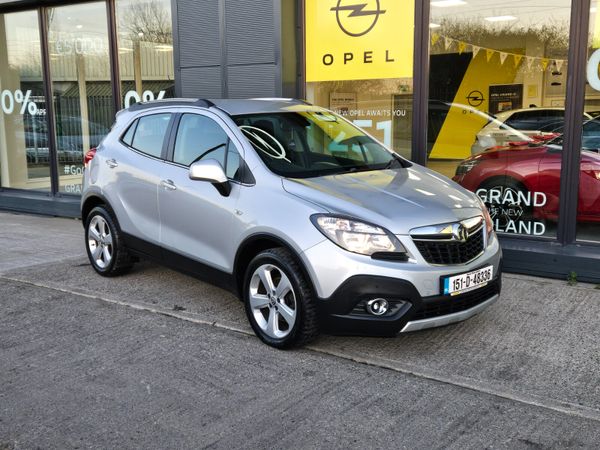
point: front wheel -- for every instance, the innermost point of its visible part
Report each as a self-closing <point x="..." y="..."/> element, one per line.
<point x="279" y="300"/>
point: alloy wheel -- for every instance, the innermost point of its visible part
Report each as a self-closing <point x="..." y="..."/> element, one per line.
<point x="273" y="301"/>
<point x="100" y="242"/>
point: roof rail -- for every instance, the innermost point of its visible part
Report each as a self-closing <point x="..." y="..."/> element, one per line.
<point x="200" y="102"/>
<point x="284" y="99"/>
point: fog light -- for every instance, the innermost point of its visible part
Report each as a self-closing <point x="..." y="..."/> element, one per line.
<point x="378" y="306"/>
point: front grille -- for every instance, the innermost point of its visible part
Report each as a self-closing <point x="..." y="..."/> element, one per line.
<point x="451" y="252"/>
<point x="443" y="305"/>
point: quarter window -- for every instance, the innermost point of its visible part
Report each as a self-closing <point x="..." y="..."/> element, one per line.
<point x="149" y="134"/>
<point x="128" y="136"/>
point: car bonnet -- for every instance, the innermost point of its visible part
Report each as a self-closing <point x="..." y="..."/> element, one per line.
<point x="398" y="199"/>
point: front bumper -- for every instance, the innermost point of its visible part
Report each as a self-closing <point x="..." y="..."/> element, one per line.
<point x="344" y="312"/>
<point x="344" y="282"/>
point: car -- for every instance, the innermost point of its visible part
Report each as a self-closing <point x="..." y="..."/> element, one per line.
<point x="520" y="125"/>
<point x="312" y="223"/>
<point x="520" y="182"/>
<point x="452" y="140"/>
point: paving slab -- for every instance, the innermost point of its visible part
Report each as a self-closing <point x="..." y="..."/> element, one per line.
<point x="27" y="239"/>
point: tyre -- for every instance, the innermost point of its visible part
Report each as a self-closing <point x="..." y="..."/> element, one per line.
<point x="104" y="244"/>
<point x="279" y="300"/>
<point x="507" y="210"/>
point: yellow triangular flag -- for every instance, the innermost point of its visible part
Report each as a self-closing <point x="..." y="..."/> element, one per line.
<point x="545" y="62"/>
<point x="434" y="38"/>
<point x="518" y="59"/>
<point x="461" y="47"/>
<point x="489" y="53"/>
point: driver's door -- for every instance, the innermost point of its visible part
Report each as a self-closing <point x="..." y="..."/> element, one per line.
<point x="196" y="220"/>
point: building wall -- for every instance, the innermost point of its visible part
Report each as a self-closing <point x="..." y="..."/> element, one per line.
<point x="227" y="48"/>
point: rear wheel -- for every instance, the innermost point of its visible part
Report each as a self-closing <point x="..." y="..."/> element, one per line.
<point x="104" y="244"/>
<point x="279" y="300"/>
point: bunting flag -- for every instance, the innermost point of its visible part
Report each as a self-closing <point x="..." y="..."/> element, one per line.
<point x="518" y="59"/>
<point x="447" y="42"/>
<point x="541" y="63"/>
<point x="545" y="62"/>
<point x="559" y="64"/>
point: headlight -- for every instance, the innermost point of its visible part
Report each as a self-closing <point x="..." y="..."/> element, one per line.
<point x="357" y="237"/>
<point x="489" y="223"/>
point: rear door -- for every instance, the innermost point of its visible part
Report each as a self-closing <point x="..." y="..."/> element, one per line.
<point x="136" y="171"/>
<point x="196" y="220"/>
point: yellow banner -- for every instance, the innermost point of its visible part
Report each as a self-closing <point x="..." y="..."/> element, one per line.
<point x="359" y="39"/>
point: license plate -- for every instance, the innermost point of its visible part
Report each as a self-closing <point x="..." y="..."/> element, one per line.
<point x="468" y="281"/>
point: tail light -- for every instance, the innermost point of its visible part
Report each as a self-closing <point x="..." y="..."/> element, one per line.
<point x="89" y="156"/>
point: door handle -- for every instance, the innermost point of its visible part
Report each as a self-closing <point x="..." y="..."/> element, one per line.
<point x="168" y="185"/>
<point x="112" y="163"/>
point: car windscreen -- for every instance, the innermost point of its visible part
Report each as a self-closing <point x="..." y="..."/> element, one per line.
<point x="308" y="144"/>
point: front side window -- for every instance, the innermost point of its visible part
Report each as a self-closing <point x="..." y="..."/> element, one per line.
<point x="150" y="132"/>
<point x="313" y="143"/>
<point x="199" y="137"/>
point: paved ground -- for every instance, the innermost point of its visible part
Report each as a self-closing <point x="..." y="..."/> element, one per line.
<point x="90" y="362"/>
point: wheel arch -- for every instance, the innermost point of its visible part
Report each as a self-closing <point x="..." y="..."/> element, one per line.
<point x="255" y="244"/>
<point x="91" y="202"/>
<point x="502" y="180"/>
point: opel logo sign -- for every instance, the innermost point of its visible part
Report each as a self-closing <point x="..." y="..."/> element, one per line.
<point x="356" y="18"/>
<point x="475" y="98"/>
<point x="460" y="233"/>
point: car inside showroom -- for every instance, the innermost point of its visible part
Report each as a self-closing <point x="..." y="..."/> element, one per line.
<point x="502" y="99"/>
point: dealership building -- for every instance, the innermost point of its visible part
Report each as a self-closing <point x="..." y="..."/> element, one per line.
<point x="441" y="82"/>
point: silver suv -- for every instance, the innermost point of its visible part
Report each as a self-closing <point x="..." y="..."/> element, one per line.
<point x="313" y="223"/>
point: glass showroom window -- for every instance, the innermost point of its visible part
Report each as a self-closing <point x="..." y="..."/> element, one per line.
<point x="588" y="206"/>
<point x="145" y="37"/>
<point x="361" y="65"/>
<point x="81" y="85"/>
<point x="496" y="109"/>
<point x="24" y="151"/>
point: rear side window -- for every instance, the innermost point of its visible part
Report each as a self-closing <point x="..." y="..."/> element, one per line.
<point x="147" y="134"/>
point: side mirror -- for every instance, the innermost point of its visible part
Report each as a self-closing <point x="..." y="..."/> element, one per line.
<point x="210" y="170"/>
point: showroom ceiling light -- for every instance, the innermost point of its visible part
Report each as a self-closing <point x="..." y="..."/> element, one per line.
<point x="434" y="25"/>
<point x="500" y="18"/>
<point x="448" y="3"/>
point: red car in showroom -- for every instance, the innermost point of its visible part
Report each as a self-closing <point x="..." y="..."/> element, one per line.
<point x="520" y="182"/>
